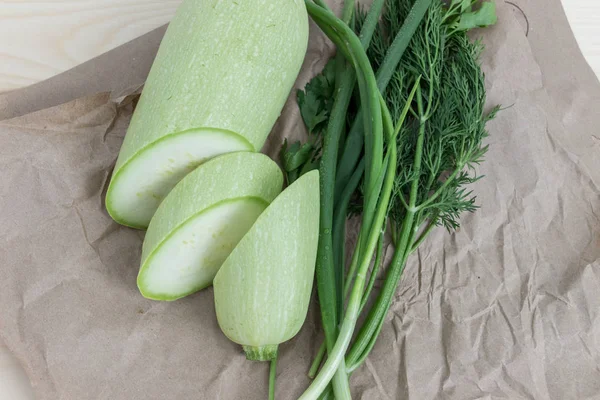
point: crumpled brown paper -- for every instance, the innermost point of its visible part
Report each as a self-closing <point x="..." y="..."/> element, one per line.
<point x="507" y="307"/>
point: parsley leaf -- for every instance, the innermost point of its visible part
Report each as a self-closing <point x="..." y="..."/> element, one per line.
<point x="465" y="16"/>
<point x="316" y="100"/>
<point x="315" y="103"/>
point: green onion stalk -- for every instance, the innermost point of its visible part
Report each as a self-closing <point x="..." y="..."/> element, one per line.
<point x="378" y="181"/>
<point x="349" y="44"/>
<point x="329" y="269"/>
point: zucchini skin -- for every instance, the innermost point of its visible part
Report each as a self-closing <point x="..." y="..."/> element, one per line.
<point x="223" y="65"/>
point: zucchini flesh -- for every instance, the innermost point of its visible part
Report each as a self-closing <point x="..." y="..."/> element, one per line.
<point x="202" y="219"/>
<point x="190" y="258"/>
<point x="139" y="188"/>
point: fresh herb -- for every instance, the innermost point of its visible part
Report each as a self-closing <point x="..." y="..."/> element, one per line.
<point x="316" y="100"/>
<point x="298" y="159"/>
<point x="463" y="15"/>
<point x="439" y="147"/>
<point x="315" y="103"/>
<point x="404" y="158"/>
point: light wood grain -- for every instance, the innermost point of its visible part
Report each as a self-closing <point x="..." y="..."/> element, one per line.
<point x="39" y="39"/>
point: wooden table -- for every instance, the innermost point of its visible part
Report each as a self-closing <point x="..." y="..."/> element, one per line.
<point x="43" y="38"/>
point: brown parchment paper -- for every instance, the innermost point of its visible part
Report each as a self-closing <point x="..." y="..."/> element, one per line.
<point x="505" y="308"/>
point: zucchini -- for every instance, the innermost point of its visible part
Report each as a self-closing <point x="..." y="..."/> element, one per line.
<point x="202" y="220"/>
<point x="218" y="84"/>
<point x="263" y="289"/>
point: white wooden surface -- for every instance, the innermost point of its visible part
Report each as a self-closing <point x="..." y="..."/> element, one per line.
<point x="584" y="16"/>
<point x="39" y="39"/>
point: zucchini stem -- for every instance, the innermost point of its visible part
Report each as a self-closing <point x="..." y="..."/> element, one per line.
<point x="261" y="353"/>
<point x="272" y="377"/>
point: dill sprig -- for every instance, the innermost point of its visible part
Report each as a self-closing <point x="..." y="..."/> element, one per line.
<point x="439" y="145"/>
<point x="451" y="79"/>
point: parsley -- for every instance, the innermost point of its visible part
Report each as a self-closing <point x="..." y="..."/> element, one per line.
<point x="315" y="103"/>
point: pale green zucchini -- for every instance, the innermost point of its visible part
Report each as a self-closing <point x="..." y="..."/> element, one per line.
<point x="201" y="221"/>
<point x="263" y="289"/>
<point x="218" y="84"/>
